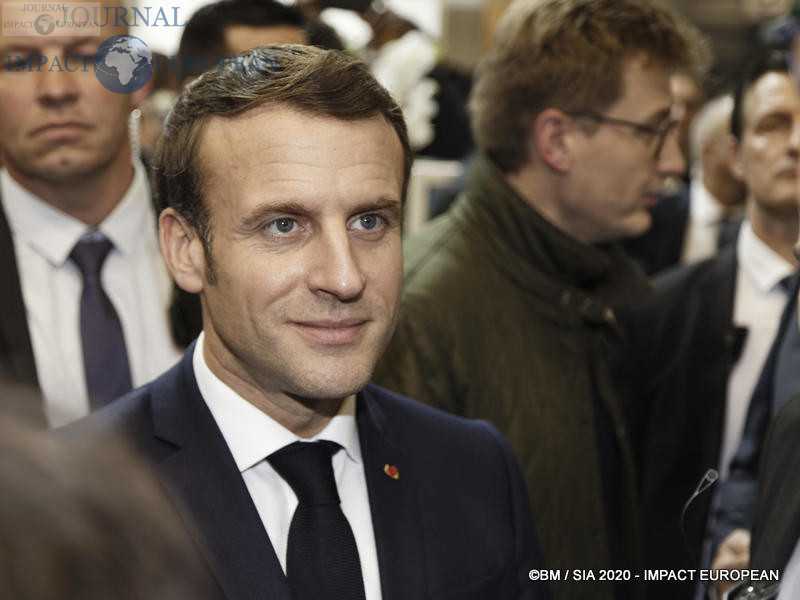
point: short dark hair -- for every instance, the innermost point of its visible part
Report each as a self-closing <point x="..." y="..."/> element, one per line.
<point x="303" y="78"/>
<point x="566" y="54"/>
<point x="766" y="61"/>
<point x="204" y="33"/>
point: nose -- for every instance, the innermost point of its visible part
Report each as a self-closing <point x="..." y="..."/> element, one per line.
<point x="335" y="268"/>
<point x="670" y="159"/>
<point x="55" y="85"/>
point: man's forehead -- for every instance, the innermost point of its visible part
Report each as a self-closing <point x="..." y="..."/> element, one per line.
<point x="767" y="93"/>
<point x="645" y="88"/>
<point x="22" y="22"/>
<point x="282" y="132"/>
<point x="283" y="117"/>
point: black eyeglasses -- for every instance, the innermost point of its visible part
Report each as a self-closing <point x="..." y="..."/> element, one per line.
<point x="656" y="134"/>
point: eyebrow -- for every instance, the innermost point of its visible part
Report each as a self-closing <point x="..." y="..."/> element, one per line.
<point x="24" y="47"/>
<point x="661" y="115"/>
<point x="256" y="218"/>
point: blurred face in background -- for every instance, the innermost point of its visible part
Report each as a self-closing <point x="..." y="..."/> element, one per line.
<point x="766" y="157"/>
<point x="687" y="98"/>
<point x="58" y="123"/>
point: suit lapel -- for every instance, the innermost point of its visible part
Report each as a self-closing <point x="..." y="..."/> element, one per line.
<point x="394" y="503"/>
<point x="15" y="341"/>
<point x="204" y="476"/>
<point x="720" y="288"/>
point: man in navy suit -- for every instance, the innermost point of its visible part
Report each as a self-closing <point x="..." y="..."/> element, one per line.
<point x="283" y="178"/>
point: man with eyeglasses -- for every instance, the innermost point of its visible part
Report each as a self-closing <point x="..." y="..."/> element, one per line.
<point x="508" y="300"/>
<point x="698" y="346"/>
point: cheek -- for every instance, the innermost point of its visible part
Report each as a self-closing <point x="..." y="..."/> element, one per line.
<point x="386" y="273"/>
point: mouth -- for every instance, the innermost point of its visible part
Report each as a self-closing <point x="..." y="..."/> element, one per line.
<point x="331" y="332"/>
<point x="60" y="129"/>
<point x="650" y="199"/>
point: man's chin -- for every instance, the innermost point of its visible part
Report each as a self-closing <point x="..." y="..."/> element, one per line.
<point x="324" y="388"/>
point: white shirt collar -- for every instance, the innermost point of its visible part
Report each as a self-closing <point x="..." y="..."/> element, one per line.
<point x="53" y="234"/>
<point x="703" y="207"/>
<point x="761" y="265"/>
<point x="251" y="434"/>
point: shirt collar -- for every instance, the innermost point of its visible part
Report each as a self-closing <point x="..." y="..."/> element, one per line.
<point x="251" y="434"/>
<point x="134" y="213"/>
<point x="703" y="207"/>
<point x="53" y="234"/>
<point x="761" y="265"/>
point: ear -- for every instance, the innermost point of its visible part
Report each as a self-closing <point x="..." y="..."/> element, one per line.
<point x="182" y="250"/>
<point x="550" y="133"/>
<point x="735" y="160"/>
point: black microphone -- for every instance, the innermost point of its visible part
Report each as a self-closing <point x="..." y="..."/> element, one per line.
<point x="709" y="479"/>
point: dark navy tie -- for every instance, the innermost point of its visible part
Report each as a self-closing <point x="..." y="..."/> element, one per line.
<point x="322" y="558"/>
<point x="105" y="358"/>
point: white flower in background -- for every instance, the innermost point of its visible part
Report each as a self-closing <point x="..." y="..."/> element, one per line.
<point x="354" y="31"/>
<point x="401" y="66"/>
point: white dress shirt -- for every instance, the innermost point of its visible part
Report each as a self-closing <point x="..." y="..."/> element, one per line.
<point x="251" y="436"/>
<point x="758" y="303"/>
<point x="702" y="227"/>
<point x="133" y="276"/>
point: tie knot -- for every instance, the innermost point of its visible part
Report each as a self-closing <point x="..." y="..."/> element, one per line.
<point x="89" y="254"/>
<point x="306" y="467"/>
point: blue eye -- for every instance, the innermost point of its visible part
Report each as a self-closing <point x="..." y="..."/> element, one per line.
<point x="369" y="222"/>
<point x="282" y="226"/>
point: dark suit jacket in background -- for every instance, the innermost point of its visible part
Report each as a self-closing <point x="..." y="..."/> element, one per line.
<point x="776" y="527"/>
<point x="16" y="352"/>
<point x="661" y="247"/>
<point x="454" y="525"/>
<point x="738" y="495"/>
<point x="682" y="346"/>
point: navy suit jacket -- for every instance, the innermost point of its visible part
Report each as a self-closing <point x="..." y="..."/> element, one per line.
<point x="738" y="494"/>
<point x="454" y="525"/>
<point x="776" y="525"/>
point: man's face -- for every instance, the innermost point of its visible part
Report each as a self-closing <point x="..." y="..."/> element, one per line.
<point x="306" y="215"/>
<point x="767" y="154"/>
<point x="687" y="98"/>
<point x="59" y="124"/>
<point x="615" y="175"/>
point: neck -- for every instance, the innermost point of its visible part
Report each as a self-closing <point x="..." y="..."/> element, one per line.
<point x="777" y="229"/>
<point x="726" y="190"/>
<point x="540" y="190"/>
<point x="89" y="198"/>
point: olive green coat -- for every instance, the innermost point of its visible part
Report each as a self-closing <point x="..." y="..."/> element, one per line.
<point x="507" y="319"/>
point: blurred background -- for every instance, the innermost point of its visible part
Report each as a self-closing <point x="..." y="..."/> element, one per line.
<point x="424" y="52"/>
